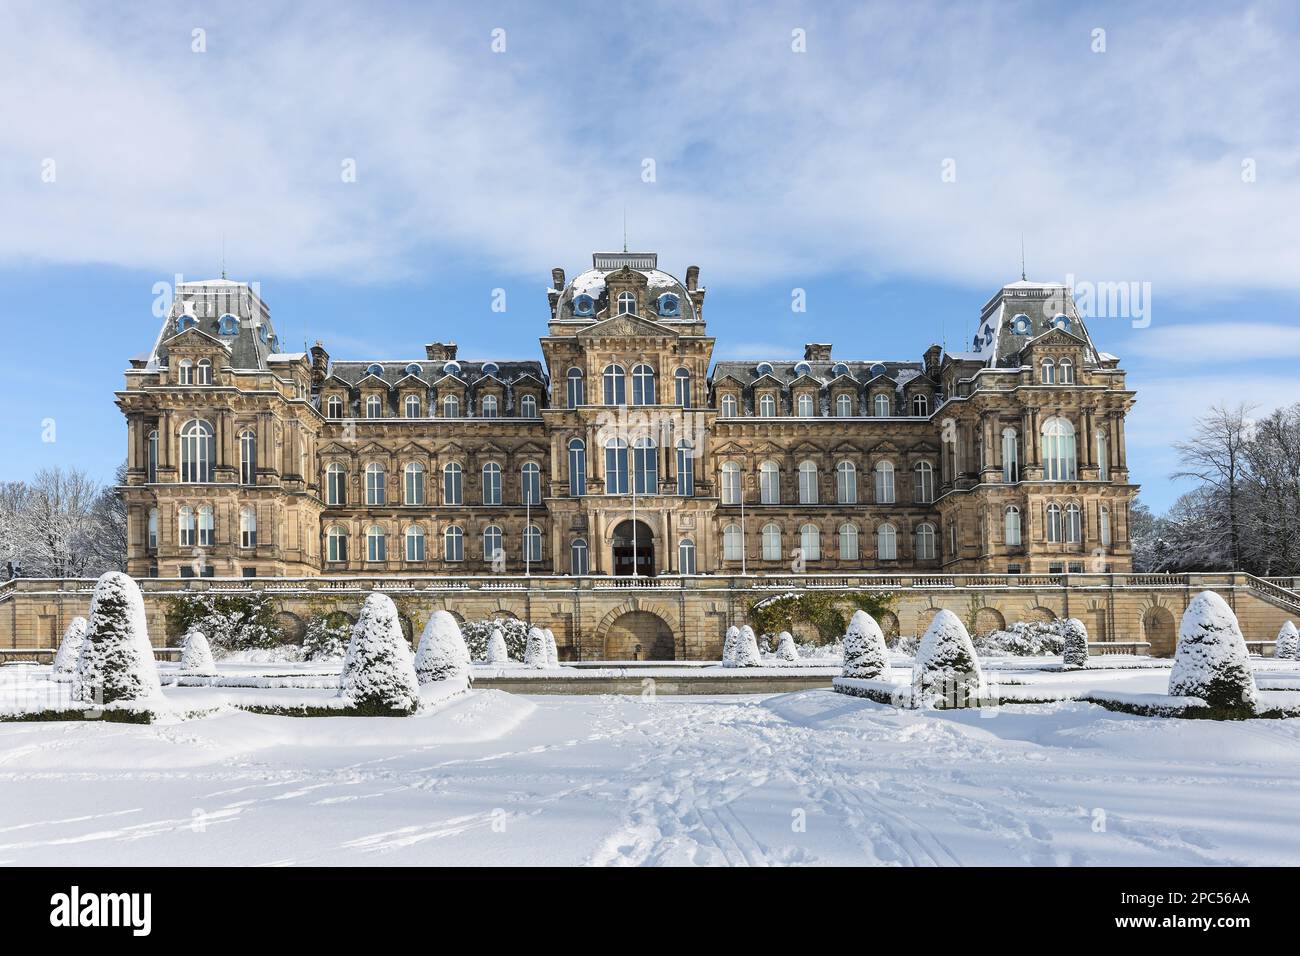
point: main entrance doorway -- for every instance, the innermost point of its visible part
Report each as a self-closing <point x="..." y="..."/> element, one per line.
<point x="634" y="549"/>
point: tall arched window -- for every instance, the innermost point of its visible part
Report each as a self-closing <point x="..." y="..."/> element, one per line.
<point x="576" y="391"/>
<point x="771" y="542"/>
<point x="1073" y="524"/>
<point x="810" y="542"/>
<point x="451" y="406"/>
<point x="452" y="476"/>
<point x="729" y="406"/>
<point x="203" y="372"/>
<point x="924" y="482"/>
<point x="920" y="405"/>
<point x="645" y="466"/>
<point x="1103" y="455"/>
<point x="685" y="468"/>
<point x="886" y="543"/>
<point x="198" y="449"/>
<point x="152" y="539"/>
<point x="808" y="483"/>
<point x="626" y="303"/>
<point x="882" y="406"/>
<point x="615" y="385"/>
<point x="493" y="543"/>
<point x="846" y="483"/>
<point x="1054" y="523"/>
<point x="185" y="372"/>
<point x="804" y="406"/>
<point x="1065" y="371"/>
<point x="336" y="485"/>
<point x="925" y="542"/>
<point x="769" y="483"/>
<point x="413" y="490"/>
<point x="151" y="464"/>
<point x="374" y="406"/>
<point x="530" y="483"/>
<point x="686" y="556"/>
<point x="616" y="467"/>
<point x="532" y="544"/>
<point x="336" y="545"/>
<point x="578" y="563"/>
<point x="528" y="406"/>
<point x="375" y="491"/>
<point x="577" y="468"/>
<point x="207" y="527"/>
<point x="489" y="407"/>
<point x="884" y="482"/>
<point x="453" y="544"/>
<point x="730" y="483"/>
<point x="844" y="406"/>
<point x="643" y="385"/>
<point x="247" y="527"/>
<point x="1011" y="527"/>
<point x="767" y="406"/>
<point x="411" y="406"/>
<point x="1047" y="372"/>
<point x="733" y="545"/>
<point x="185" y="526"/>
<point x="334" y="407"/>
<point x="414" y="543"/>
<point x="1010" y="457"/>
<point x="491" y="483"/>
<point x="682" y="388"/>
<point x="848" y="542"/>
<point x="1103" y="526"/>
<point x="1059" y="462"/>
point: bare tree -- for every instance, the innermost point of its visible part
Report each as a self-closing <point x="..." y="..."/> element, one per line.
<point x="1216" y="456"/>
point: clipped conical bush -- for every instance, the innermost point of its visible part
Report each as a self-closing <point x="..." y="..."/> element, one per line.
<point x="865" y="654"/>
<point x="378" y="671"/>
<point x="1288" y="643"/>
<point x="745" y="652"/>
<point x="196" y="656"/>
<point x="535" y="649"/>
<point x="1075" y="638"/>
<point x="116" y="663"/>
<point x="1211" y="661"/>
<point x="729" y="645"/>
<point x="947" y="672"/>
<point x="65" y="661"/>
<point x="785" y="647"/>
<point x="442" y="653"/>
<point x="552" y="649"/>
<point x="496" y="648"/>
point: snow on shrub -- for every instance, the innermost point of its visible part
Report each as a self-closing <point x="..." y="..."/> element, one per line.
<point x="745" y="651"/>
<point x="65" y="661"/>
<point x="442" y="653"/>
<point x="1023" y="639"/>
<point x="535" y="650"/>
<point x="865" y="655"/>
<point x="785" y="647"/>
<point x="1287" y="649"/>
<point x="1075" y="638"/>
<point x="947" y="672"/>
<point x="116" y="661"/>
<point x="231" y="622"/>
<point x="478" y="633"/>
<point x="196" y="656"/>
<point x="327" y="637"/>
<point x="496" y="648"/>
<point x="1211" y="661"/>
<point x="552" y="649"/>
<point x="729" y="645"/>
<point x="378" y="672"/>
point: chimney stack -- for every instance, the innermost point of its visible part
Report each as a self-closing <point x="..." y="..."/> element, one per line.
<point x="320" y="364"/>
<point x="557" y="279"/>
<point x="932" y="357"/>
<point x="692" y="278"/>
<point x="817" y="352"/>
<point x="440" y="351"/>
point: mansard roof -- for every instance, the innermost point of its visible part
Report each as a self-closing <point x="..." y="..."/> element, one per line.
<point x="592" y="283"/>
<point x="823" y="372"/>
<point x="429" y="371"/>
<point x="1017" y="315"/>
<point x="203" y="305"/>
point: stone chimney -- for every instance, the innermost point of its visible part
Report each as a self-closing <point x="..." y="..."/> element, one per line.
<point x="932" y="357"/>
<point x="440" y="351"/>
<point x="557" y="279"/>
<point x="817" y="352"/>
<point x="320" y="364"/>
<point x="692" y="278"/>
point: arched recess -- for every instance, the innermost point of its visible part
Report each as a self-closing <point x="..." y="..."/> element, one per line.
<point x="1040" y="614"/>
<point x="1158" y="631"/>
<point x="988" y="620"/>
<point x="292" y="628"/>
<point x="637" y="630"/>
<point x="888" y="622"/>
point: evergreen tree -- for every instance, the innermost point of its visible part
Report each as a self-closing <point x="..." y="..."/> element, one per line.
<point x="535" y="650"/>
<point x="117" y="663"/>
<point x="1075" y="653"/>
<point x="442" y="654"/>
<point x="729" y="645"/>
<point x="1288" y="643"/>
<point x="378" y="672"/>
<point x="196" y="656"/>
<point x="865" y="654"/>
<point x="1211" y="661"/>
<point x="65" y="661"/>
<point x="496" y="648"/>
<point x="785" y="647"/>
<point x="745" y="652"/>
<point x="947" y="672"/>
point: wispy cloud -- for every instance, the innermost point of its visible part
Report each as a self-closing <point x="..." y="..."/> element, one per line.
<point x="1211" y="343"/>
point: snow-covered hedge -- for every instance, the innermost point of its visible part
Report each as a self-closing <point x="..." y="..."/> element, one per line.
<point x="116" y="664"/>
<point x="1023" y="639"/>
<point x="785" y="647"/>
<point x="1211" y="661"/>
<point x="496" y="648"/>
<point x="536" y="650"/>
<point x="231" y="622"/>
<point x="477" y="634"/>
<point x="442" y="654"/>
<point x="947" y="672"/>
<point x="729" y="645"/>
<point x="378" y="671"/>
<point x="745" y="650"/>
<point x="327" y="637"/>
<point x="65" y="661"/>
<point x="865" y="654"/>
<point x="196" y="656"/>
<point x="1074" y="653"/>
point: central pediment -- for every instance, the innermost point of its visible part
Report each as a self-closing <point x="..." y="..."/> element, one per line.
<point x="626" y="326"/>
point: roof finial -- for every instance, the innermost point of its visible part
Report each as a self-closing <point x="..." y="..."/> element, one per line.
<point x="223" y="255"/>
<point x="1022" y="258"/>
<point x="625" y="227"/>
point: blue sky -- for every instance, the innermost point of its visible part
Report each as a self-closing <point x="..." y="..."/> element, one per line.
<point x="890" y="170"/>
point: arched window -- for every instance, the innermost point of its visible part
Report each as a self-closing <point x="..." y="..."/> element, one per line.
<point x="769" y="483"/>
<point x="846" y="483"/>
<point x="848" y="542"/>
<point x="616" y="467"/>
<point x="375" y="484"/>
<point x="645" y="466"/>
<point x="767" y="406"/>
<point x="1011" y="527"/>
<point x="151" y="542"/>
<point x="1103" y="526"/>
<point x="920" y="405"/>
<point x="1073" y="524"/>
<point x="248" y="457"/>
<point x="810" y="541"/>
<point x="336" y="485"/>
<point x="151" y="465"/>
<point x="805" y="405"/>
<point x="844" y="406"/>
<point x="682" y="388"/>
<point x="452" y="483"/>
<point x="1103" y="455"/>
<point x="643" y="385"/>
<point x="411" y="406"/>
<point x="528" y="406"/>
<point x="577" y="392"/>
<point x="924" y="482"/>
<point x="807" y="483"/>
<point x="451" y="406"/>
<point x="203" y="372"/>
<point x="247" y="527"/>
<point x="615" y="385"/>
<point x="729" y="406"/>
<point x="577" y="468"/>
<point x="530" y="482"/>
<point x="336" y="545"/>
<point x="730" y="483"/>
<point x="925" y="542"/>
<point x="1065" y="370"/>
<point x="882" y="405"/>
<point x="626" y="303"/>
<point x="685" y="468"/>
<point x="493" y="543"/>
<point x="185" y="526"/>
<point x="686" y="556"/>
<point x="491" y="483"/>
<point x="489" y="406"/>
<point x="886" y="543"/>
<point x="414" y="543"/>
<point x="771" y="542"/>
<point x="1047" y="372"/>
<point x="413" y="486"/>
<point x="1059" y="463"/>
<point x="1054" y="523"/>
<point x="334" y="407"/>
<point x="578" y="563"/>
<point x="198" y="449"/>
<point x="185" y="372"/>
<point x="884" y="482"/>
<point x="532" y="544"/>
<point x="453" y="543"/>
<point x="207" y="527"/>
<point x="374" y="407"/>
<point x="1010" y="457"/>
<point x="733" y="545"/>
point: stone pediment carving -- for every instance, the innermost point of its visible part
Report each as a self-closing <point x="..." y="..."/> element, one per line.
<point x="626" y="325"/>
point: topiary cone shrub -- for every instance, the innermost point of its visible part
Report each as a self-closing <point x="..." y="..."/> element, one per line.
<point x="947" y="672"/>
<point x="442" y="654"/>
<point x="1211" y="661"/>
<point x="1074" y="654"/>
<point x="865" y="654"/>
<point x="65" y="661"/>
<point x="116" y="662"/>
<point x="378" y="672"/>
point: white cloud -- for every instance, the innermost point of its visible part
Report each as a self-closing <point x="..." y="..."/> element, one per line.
<point x="1217" y="342"/>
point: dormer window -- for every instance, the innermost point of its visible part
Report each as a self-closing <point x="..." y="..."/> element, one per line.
<point x="374" y="407"/>
<point x="489" y="406"/>
<point x="185" y="372"/>
<point x="583" y="304"/>
<point x="802" y="368"/>
<point x="626" y="303"/>
<point x="334" y="407"/>
<point x="528" y="407"/>
<point x="228" y="325"/>
<point x="839" y="369"/>
<point x="1061" y="321"/>
<point x="263" y="333"/>
<point x="375" y="369"/>
<point x="274" y="343"/>
<point x="763" y="368"/>
<point x="184" y="322"/>
<point x="669" y="304"/>
<point x="491" y="368"/>
<point x="920" y="405"/>
<point x="1065" y="372"/>
<point x="1021" y="324"/>
<point x="1047" y="372"/>
<point x="413" y="369"/>
<point x="882" y="406"/>
<point x="767" y="406"/>
<point x="805" y="406"/>
<point x="203" y="372"/>
<point x="878" y="369"/>
<point x="451" y="368"/>
<point x="729" y="406"/>
<point x="844" y="406"/>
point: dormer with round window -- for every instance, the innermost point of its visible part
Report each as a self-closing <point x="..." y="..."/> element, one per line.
<point x="374" y="368"/>
<point x="228" y="325"/>
<point x="669" y="305"/>
<point x="584" y="305"/>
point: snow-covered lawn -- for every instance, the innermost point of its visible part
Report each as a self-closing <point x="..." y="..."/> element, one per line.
<point x="811" y="777"/>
